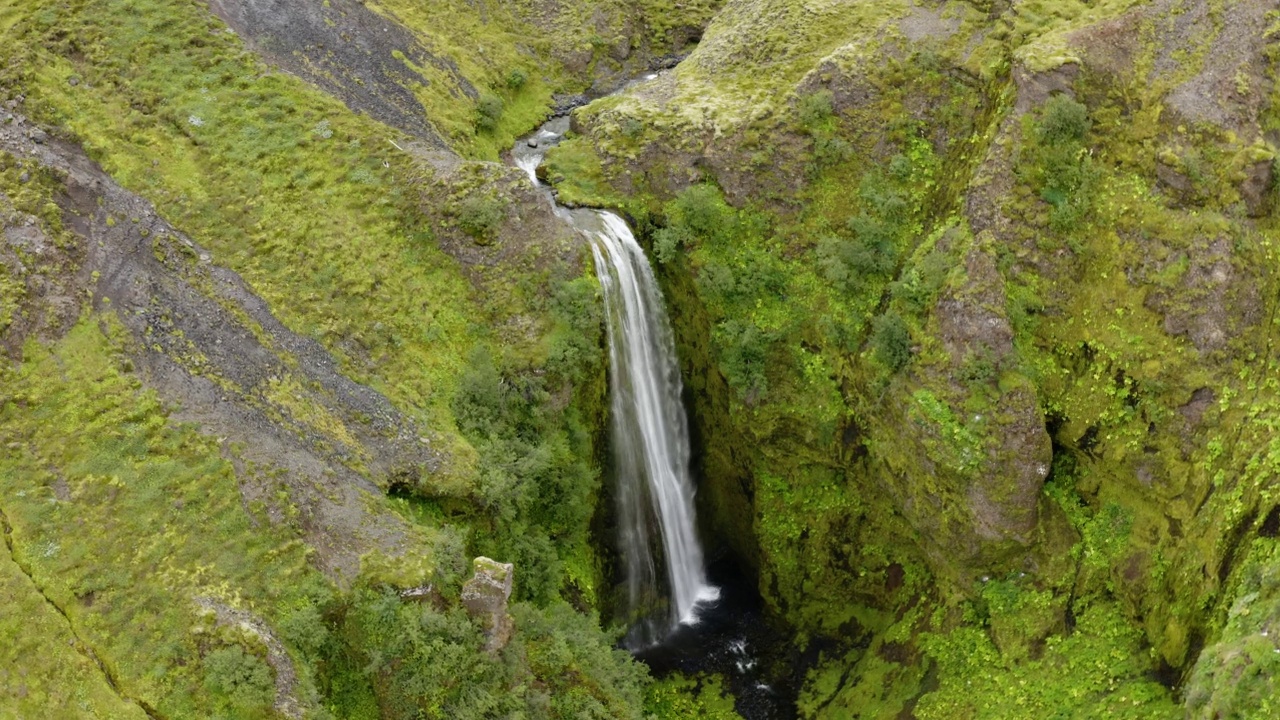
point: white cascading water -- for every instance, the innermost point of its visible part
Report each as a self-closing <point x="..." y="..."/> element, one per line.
<point x="650" y="432"/>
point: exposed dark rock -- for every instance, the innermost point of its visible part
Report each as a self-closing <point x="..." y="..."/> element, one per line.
<point x="1258" y="189"/>
<point x="346" y="49"/>
<point x="1201" y="400"/>
<point x="563" y="104"/>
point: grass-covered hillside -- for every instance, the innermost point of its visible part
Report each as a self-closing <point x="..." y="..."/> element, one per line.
<point x="280" y="359"/>
<point x="975" y="301"/>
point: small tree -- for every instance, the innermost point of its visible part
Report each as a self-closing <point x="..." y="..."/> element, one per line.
<point x="488" y="112"/>
<point x="241" y="679"/>
<point x="480" y="216"/>
<point x="891" y="341"/>
<point x="1063" y="119"/>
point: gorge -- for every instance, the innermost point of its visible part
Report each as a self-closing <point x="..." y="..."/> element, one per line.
<point x="960" y="317"/>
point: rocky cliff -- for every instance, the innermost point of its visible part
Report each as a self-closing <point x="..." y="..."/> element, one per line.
<point x="975" y="301"/>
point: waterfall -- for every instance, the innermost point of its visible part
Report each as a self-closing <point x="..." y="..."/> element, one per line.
<point x="650" y="435"/>
<point x="650" y="432"/>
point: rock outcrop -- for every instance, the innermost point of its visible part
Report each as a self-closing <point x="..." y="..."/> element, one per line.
<point x="485" y="597"/>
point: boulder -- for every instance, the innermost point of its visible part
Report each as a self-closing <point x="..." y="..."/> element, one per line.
<point x="485" y="597"/>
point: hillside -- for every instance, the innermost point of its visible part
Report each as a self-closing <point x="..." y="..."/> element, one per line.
<point x="974" y="302"/>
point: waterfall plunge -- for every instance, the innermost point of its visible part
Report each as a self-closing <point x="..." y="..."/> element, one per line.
<point x="650" y="435"/>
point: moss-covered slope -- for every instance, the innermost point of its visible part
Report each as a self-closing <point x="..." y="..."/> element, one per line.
<point x="275" y="369"/>
<point x="977" y="302"/>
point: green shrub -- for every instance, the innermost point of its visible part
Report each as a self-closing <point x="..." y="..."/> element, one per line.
<point x="534" y="483"/>
<point x="575" y="345"/>
<point x="1061" y="169"/>
<point x="891" y="341"/>
<point x="668" y="241"/>
<point x="978" y="368"/>
<point x="478" y="402"/>
<point x="677" y="697"/>
<point x="1063" y="120"/>
<point x="816" y="109"/>
<point x="829" y="150"/>
<point x="631" y="127"/>
<point x="305" y="629"/>
<point x="516" y="79"/>
<point x="242" y="680"/>
<point x="920" y="283"/>
<point x="488" y="113"/>
<point x="716" y="283"/>
<point x="743" y="358"/>
<point x="702" y="210"/>
<point x="479" y="216"/>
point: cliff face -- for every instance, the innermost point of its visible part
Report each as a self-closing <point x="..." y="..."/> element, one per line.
<point x="975" y="301"/>
<point x="986" y="345"/>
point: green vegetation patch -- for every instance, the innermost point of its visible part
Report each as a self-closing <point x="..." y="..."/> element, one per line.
<point x="123" y="520"/>
<point x="323" y="225"/>
<point x="676" y="698"/>
<point x="44" y="670"/>
<point x="1098" y="671"/>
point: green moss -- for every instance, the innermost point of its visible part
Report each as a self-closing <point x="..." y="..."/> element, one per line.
<point x="44" y="670"/>
<point x="93" y="450"/>
<point x="1236" y="676"/>
<point x="254" y="184"/>
<point x="863" y="684"/>
<point x="1099" y="671"/>
<point x="574" y="170"/>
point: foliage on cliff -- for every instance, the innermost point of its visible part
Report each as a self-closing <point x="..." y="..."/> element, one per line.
<point x="989" y="295"/>
<point x="976" y="303"/>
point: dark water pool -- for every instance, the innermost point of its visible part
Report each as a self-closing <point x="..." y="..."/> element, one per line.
<point x="734" y="638"/>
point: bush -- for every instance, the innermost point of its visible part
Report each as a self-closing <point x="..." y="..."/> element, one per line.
<point x="305" y="629"/>
<point x="478" y="403"/>
<point x="668" y="241"/>
<point x="891" y="341"/>
<point x="516" y="79"/>
<point x="1063" y="120"/>
<point x="716" y="283"/>
<point x="480" y="216"/>
<point x="919" y="284"/>
<point x="241" y="679"/>
<point x="702" y="210"/>
<point x="1061" y="168"/>
<point x="816" y="109"/>
<point x="488" y="112"/>
<point x="830" y="150"/>
<point x="575" y="342"/>
<point x="845" y="263"/>
<point x="743" y="359"/>
<point x="631" y="127"/>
